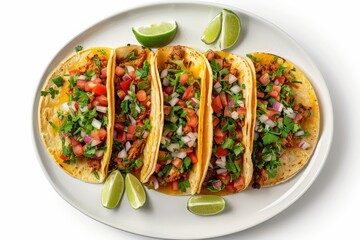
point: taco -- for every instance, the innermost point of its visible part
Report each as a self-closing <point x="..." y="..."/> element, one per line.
<point x="229" y="125"/>
<point x="182" y="76"/>
<point x="287" y="120"/>
<point x="76" y="114"/>
<point x="137" y="110"/>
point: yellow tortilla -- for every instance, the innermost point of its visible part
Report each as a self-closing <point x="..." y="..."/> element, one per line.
<point x="245" y="77"/>
<point x="196" y="64"/>
<point x="48" y="112"/>
<point x="295" y="159"/>
<point x="154" y="134"/>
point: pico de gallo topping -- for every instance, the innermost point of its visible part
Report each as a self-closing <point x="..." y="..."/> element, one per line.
<point x="181" y="93"/>
<point x="84" y="117"/>
<point x="229" y="111"/>
<point x="279" y="118"/>
<point x="132" y="84"/>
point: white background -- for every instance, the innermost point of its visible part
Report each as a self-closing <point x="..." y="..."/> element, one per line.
<point x="32" y="32"/>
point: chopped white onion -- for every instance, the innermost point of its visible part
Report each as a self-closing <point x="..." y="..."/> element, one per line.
<point x="65" y="106"/>
<point x="93" y="77"/>
<point x="127" y="97"/>
<point x="268" y="158"/>
<point x="193" y="137"/>
<point x="270" y="123"/>
<point x="127" y="146"/>
<point x="130" y="69"/>
<point x="137" y="108"/>
<point x="166" y="132"/>
<point x="220" y="163"/>
<point x="210" y="165"/>
<point x="197" y="111"/>
<point x="221" y="171"/>
<point x="96" y="123"/>
<point x="235" y="115"/>
<point x="174" y="119"/>
<point x="145" y="134"/>
<point x="175" y="95"/>
<point x="164" y="73"/>
<point x="290" y="112"/>
<point x="99" y="153"/>
<point x="156" y="183"/>
<point x="95" y="142"/>
<point x="82" y="133"/>
<point x="232" y="78"/>
<point x="257" y="123"/>
<point x="165" y="82"/>
<point x="179" y="131"/>
<point x="235" y="89"/>
<point x="186" y="139"/>
<point x="122" y="154"/>
<point x="217" y="87"/>
<point x="132" y="120"/>
<point x="299" y="133"/>
<point x="256" y="135"/>
<point x="304" y="145"/>
<point x="164" y="140"/>
<point x="84" y="109"/>
<point x="180" y="155"/>
<point x="173" y="146"/>
<point x="241" y="103"/>
<point x="82" y="77"/>
<point x="173" y="101"/>
<point x="101" y="109"/>
<point x="263" y="118"/>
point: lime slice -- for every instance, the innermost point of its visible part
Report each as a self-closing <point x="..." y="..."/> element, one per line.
<point x="213" y="29"/>
<point x="112" y="190"/>
<point x="156" y="35"/>
<point x="134" y="191"/>
<point x="206" y="204"/>
<point x="231" y="27"/>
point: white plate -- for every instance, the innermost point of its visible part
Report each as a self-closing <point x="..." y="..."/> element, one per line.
<point x="167" y="216"/>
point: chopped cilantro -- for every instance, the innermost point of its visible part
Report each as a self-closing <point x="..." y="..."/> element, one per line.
<point x="58" y="81"/>
<point x="252" y="57"/>
<point x="78" y="48"/>
<point x="270" y="138"/>
<point x="51" y="91"/>
<point x="183" y="185"/>
<point x="131" y="56"/>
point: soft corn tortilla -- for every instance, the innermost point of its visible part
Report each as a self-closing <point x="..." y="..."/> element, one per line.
<point x="245" y="77"/>
<point x="149" y="162"/>
<point x="48" y="112"/>
<point x="295" y="158"/>
<point x="197" y="66"/>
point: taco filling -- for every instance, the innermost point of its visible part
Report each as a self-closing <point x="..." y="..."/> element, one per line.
<point x="132" y="86"/>
<point x="228" y="121"/>
<point x="181" y="96"/>
<point x="281" y="118"/>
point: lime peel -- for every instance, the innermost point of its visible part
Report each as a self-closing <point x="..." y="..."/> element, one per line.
<point x="112" y="190"/>
<point x="213" y="29"/>
<point x="206" y="205"/>
<point x="134" y="191"/>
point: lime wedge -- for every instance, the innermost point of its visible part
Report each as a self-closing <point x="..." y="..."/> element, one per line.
<point x="213" y="29"/>
<point x="112" y="190"/>
<point x="156" y="35"/>
<point x="206" y="204"/>
<point x="134" y="191"/>
<point x="231" y="27"/>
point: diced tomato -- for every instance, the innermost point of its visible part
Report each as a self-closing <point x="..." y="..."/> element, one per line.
<point x="219" y="133"/>
<point x="224" y="178"/>
<point x="184" y="78"/>
<point x="99" y="89"/>
<point x="157" y="167"/>
<point x="272" y="113"/>
<point x="187" y="129"/>
<point x="125" y="85"/>
<point x="119" y="71"/>
<point x="89" y="86"/>
<point x="181" y="103"/>
<point x="130" y="137"/>
<point x="221" y="152"/>
<point x="264" y="79"/>
<point x="81" y="84"/>
<point x="216" y="122"/>
<point x="298" y="117"/>
<point x="169" y="89"/>
<point x="227" y="112"/>
<point x="102" y="99"/>
<point x="121" y="94"/>
<point x="238" y="134"/>
<point x="147" y="102"/>
<point x="141" y="95"/>
<point x="190" y="112"/>
<point x="210" y="55"/>
<point x="119" y="126"/>
<point x="223" y="99"/>
<point x="241" y="111"/>
<point x="73" y="72"/>
<point x="275" y="91"/>
<point x="131" y="129"/>
<point x="219" y="140"/>
<point x="104" y="72"/>
<point x="220" y="62"/>
<point x="239" y="183"/>
<point x="193" y="121"/>
<point x="78" y="149"/>
<point x="230" y="187"/>
<point x="167" y="110"/>
<point x="193" y="158"/>
<point x="176" y="162"/>
<point x="98" y="134"/>
<point x="64" y="157"/>
<point x="260" y="94"/>
<point x="281" y="79"/>
<point x="216" y="104"/>
<point x="175" y="185"/>
<point x="189" y="93"/>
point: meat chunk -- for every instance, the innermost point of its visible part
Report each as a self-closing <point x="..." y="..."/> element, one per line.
<point x="178" y="53"/>
<point x="136" y="149"/>
<point x="173" y="175"/>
